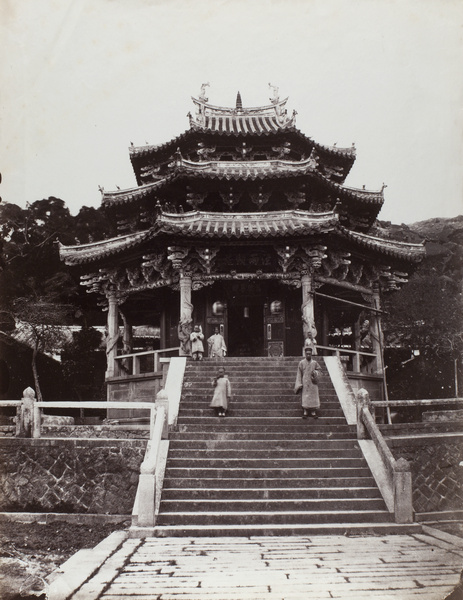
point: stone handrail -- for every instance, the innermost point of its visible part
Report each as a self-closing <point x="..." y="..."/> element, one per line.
<point x="398" y="471"/>
<point x="135" y="357"/>
<point x="146" y="493"/>
<point x="36" y="429"/>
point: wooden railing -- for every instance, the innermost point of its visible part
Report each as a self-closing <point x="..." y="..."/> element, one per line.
<point x="137" y="363"/>
<point x="354" y="354"/>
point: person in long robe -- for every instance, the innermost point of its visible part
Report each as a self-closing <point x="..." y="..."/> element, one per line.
<point x="216" y="345"/>
<point x="307" y="378"/>
<point x="197" y="346"/>
<point x="222" y="393"/>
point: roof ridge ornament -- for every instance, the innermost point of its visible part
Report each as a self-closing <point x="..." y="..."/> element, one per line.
<point x="275" y="98"/>
<point x="202" y="93"/>
<point x="239" y="102"/>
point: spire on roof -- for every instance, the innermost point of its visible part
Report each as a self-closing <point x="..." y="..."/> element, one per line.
<point x="239" y="103"/>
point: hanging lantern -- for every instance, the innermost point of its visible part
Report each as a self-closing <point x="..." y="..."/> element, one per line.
<point x="276" y="307"/>
<point x="217" y="308"/>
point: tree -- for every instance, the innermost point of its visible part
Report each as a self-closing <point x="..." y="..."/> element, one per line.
<point x="40" y="325"/>
<point x="84" y="364"/>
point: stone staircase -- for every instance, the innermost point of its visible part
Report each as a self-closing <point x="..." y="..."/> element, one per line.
<point x="263" y="470"/>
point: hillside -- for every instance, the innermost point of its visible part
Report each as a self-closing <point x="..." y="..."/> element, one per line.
<point x="426" y="316"/>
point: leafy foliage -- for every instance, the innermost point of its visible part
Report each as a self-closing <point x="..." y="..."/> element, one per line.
<point x="426" y="315"/>
<point x="84" y="364"/>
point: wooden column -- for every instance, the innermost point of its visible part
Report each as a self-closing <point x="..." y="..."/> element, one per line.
<point x="308" y="314"/>
<point x="113" y="333"/>
<point x="186" y="311"/>
<point x="376" y="332"/>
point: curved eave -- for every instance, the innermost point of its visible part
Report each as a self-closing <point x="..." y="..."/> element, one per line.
<point x="206" y="225"/>
<point x="245" y="171"/>
<point x="404" y="251"/>
<point x="135" y="152"/>
<point x="201" y="225"/>
<point x="272" y="224"/>
<point x="87" y="253"/>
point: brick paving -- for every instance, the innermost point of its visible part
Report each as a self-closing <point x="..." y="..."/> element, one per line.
<point x="278" y="568"/>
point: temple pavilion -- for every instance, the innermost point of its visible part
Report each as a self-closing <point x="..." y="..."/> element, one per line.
<point x="244" y="223"/>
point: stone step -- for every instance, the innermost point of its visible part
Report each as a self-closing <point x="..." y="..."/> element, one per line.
<point x="212" y="434"/>
<point x="280" y="462"/>
<point x="240" y="376"/>
<point x="271" y="505"/>
<point x="265" y="493"/>
<point x="234" y="454"/>
<point x="238" y="410"/>
<point x="285" y="422"/>
<point x="246" y="482"/>
<point x="187" y="445"/>
<point x="307" y="429"/>
<point x="351" y="529"/>
<point x="238" y="518"/>
<point x="280" y="472"/>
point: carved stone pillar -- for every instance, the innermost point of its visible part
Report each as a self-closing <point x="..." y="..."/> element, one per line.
<point x="113" y="333"/>
<point x="308" y="314"/>
<point x="376" y="332"/>
<point x="186" y="311"/>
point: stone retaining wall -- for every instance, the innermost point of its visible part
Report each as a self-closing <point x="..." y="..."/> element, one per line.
<point x="69" y="475"/>
<point x="436" y="472"/>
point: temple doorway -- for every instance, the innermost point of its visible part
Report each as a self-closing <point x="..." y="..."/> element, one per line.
<point x="246" y="329"/>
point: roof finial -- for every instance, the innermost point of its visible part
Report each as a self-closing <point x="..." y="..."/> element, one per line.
<point x="275" y="98"/>
<point x="202" y="93"/>
<point x="239" y="103"/>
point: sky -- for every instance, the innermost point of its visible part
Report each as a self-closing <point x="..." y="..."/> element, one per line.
<point x="80" y="80"/>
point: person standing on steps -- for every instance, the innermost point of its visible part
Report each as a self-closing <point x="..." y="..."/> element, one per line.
<point x="216" y="344"/>
<point x="222" y="393"/>
<point x="196" y="339"/>
<point x="307" y="378"/>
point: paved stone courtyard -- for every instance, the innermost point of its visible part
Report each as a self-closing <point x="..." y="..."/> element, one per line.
<point x="399" y="567"/>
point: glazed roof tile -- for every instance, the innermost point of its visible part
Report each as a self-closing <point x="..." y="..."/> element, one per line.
<point x="217" y="225"/>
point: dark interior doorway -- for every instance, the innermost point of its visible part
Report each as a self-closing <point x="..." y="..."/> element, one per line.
<point x="246" y="330"/>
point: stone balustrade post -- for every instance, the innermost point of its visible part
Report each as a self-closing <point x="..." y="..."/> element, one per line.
<point x="26" y="414"/>
<point x="162" y="399"/>
<point x="363" y="400"/>
<point x="403" y="501"/>
<point x="37" y="422"/>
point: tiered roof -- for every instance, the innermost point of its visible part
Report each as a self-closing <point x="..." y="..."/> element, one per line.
<point x="266" y="147"/>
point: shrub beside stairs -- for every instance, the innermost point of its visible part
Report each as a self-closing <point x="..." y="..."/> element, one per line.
<point x="263" y="470"/>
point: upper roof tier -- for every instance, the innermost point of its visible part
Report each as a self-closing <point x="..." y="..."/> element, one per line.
<point x="221" y="125"/>
<point x="260" y="119"/>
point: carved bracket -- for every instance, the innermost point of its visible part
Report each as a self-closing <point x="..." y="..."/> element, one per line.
<point x="260" y="198"/>
<point x="285" y="256"/>
<point x="314" y="256"/>
<point x="177" y="256"/>
<point x="231" y="198"/>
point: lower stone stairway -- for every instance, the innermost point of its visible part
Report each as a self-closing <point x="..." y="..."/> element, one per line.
<point x="263" y="470"/>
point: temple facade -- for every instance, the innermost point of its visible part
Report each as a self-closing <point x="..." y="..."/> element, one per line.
<point x="244" y="223"/>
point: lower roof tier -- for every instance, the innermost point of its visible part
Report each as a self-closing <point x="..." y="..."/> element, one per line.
<point x="219" y="228"/>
